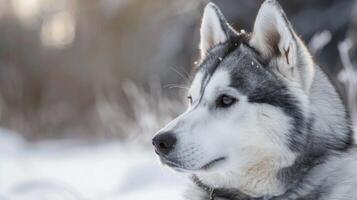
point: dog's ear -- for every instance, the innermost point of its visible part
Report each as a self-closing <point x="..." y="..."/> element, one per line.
<point x="272" y="33"/>
<point x="214" y="28"/>
<point x="275" y="39"/>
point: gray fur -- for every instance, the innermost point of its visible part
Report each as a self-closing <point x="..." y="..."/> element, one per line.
<point x="325" y="167"/>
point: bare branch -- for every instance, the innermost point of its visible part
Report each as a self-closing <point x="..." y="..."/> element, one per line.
<point x="319" y="41"/>
<point x="348" y="76"/>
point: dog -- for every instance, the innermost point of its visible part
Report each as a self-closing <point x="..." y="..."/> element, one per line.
<point x="264" y="121"/>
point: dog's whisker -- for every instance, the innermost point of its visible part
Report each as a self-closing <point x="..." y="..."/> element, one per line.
<point x="185" y="78"/>
<point x="172" y="86"/>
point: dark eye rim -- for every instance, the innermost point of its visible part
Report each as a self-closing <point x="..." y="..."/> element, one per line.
<point x="221" y="101"/>
<point x="189" y="99"/>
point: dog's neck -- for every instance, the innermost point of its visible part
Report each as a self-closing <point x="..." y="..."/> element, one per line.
<point x="294" y="178"/>
<point x="226" y="193"/>
<point x="256" y="178"/>
<point x="260" y="180"/>
<point x="244" y="188"/>
<point x="230" y="193"/>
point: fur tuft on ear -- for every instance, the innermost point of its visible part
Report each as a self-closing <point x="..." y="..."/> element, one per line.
<point x="275" y="39"/>
<point x="214" y="28"/>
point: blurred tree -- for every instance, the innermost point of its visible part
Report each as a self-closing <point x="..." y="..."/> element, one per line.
<point x="56" y="67"/>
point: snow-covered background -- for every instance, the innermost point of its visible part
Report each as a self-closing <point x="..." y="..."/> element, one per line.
<point x="64" y="170"/>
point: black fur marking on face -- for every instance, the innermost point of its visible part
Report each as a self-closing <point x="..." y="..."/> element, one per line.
<point x="251" y="76"/>
<point x="313" y="145"/>
<point x="214" y="58"/>
<point x="254" y="79"/>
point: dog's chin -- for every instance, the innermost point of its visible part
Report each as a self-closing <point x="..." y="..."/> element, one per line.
<point x="181" y="167"/>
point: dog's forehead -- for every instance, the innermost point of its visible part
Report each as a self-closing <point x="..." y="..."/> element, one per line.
<point x="224" y="66"/>
<point x="208" y="67"/>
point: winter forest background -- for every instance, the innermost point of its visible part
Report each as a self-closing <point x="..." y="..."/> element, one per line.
<point x="84" y="84"/>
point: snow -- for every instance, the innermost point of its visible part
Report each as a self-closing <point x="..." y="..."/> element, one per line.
<point x="64" y="170"/>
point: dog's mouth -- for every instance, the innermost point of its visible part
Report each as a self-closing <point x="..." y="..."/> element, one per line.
<point x="213" y="163"/>
<point x="181" y="167"/>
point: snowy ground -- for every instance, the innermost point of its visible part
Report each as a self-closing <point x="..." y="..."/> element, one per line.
<point x="65" y="171"/>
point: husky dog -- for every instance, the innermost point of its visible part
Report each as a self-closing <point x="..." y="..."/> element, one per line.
<point x="264" y="121"/>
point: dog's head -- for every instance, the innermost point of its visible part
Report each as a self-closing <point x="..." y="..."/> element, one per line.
<point x="247" y="100"/>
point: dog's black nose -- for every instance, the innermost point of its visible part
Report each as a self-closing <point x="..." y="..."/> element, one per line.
<point x="164" y="142"/>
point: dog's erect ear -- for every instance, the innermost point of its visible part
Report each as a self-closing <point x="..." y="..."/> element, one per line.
<point x="214" y="28"/>
<point x="272" y="33"/>
<point x="275" y="39"/>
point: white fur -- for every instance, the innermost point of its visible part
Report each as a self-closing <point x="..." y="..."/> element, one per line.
<point x="257" y="151"/>
<point x="211" y="31"/>
<point x="196" y="86"/>
<point x="251" y="137"/>
<point x="270" y="27"/>
<point x="270" y="22"/>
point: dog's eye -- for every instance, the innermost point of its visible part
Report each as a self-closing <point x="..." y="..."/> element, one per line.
<point x="224" y="101"/>
<point x="189" y="100"/>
